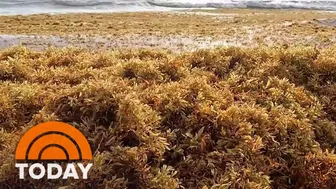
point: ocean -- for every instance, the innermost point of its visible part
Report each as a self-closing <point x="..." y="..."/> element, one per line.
<point x="13" y="7"/>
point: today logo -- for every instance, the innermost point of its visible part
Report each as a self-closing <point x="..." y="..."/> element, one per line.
<point x="44" y="148"/>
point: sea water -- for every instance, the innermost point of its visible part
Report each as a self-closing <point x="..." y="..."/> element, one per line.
<point x="13" y="7"/>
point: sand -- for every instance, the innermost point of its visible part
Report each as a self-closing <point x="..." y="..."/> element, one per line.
<point x="174" y="43"/>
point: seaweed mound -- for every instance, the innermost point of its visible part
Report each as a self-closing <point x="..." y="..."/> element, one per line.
<point x="211" y="119"/>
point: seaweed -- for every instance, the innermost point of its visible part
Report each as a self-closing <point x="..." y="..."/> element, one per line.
<point x="223" y="118"/>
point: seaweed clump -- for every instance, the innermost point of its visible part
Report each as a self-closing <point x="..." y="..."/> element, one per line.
<point x="223" y="118"/>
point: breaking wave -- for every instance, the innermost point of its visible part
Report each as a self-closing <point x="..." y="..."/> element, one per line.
<point x="37" y="6"/>
<point x="271" y="4"/>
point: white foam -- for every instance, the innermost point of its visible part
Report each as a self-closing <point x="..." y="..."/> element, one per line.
<point x="10" y="7"/>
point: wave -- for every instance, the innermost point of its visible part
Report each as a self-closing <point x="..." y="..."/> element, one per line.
<point x="73" y="3"/>
<point x="269" y="4"/>
<point x="7" y="3"/>
<point x="81" y="3"/>
<point x="45" y="6"/>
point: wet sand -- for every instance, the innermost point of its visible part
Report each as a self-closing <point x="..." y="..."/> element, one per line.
<point x="328" y="22"/>
<point x="175" y="43"/>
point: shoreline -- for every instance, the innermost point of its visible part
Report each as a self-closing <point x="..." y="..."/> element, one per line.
<point x="184" y="30"/>
<point x="152" y="6"/>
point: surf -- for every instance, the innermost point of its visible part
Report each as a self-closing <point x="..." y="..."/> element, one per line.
<point x="10" y="7"/>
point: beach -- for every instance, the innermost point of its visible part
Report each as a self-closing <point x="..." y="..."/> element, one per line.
<point x="175" y="95"/>
<point x="177" y="30"/>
